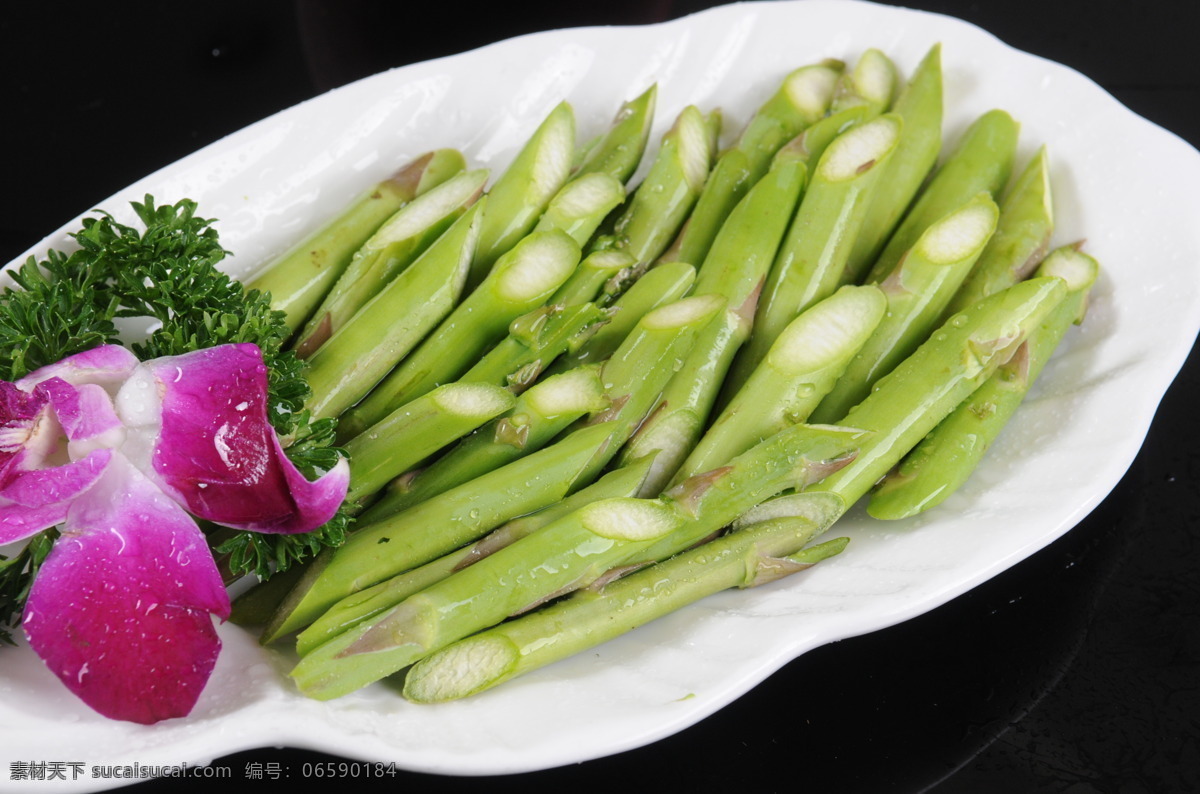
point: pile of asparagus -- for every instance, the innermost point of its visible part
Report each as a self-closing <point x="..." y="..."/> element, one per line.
<point x="569" y="410"/>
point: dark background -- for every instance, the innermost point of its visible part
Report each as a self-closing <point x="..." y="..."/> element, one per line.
<point x="1075" y="671"/>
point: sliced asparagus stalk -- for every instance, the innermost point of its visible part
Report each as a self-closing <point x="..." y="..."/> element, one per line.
<point x="393" y="247"/>
<point x="299" y="279"/>
<point x="619" y="150"/>
<point x="801" y="100"/>
<point x="813" y="256"/>
<point x="521" y="281"/>
<point x="735" y="268"/>
<point x="1021" y="240"/>
<point x="591" y="279"/>
<point x="384" y="331"/>
<point x="416" y="430"/>
<point x="982" y="162"/>
<point x="521" y="194"/>
<point x="563" y="556"/>
<point x="581" y="205"/>
<point x="809" y="145"/>
<point x="363" y="605"/>
<point x="800" y="369"/>
<point x="917" y="290"/>
<point x="663" y="285"/>
<point x="401" y="542"/>
<point x="944" y="460"/>
<point x="663" y="201"/>
<point x="538" y="416"/>
<point x="920" y="107"/>
<point x="746" y="558"/>
<point x="872" y="82"/>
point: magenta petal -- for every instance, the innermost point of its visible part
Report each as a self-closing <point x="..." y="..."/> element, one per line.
<point x="31" y="501"/>
<point x="120" y="610"/>
<point x="107" y="366"/>
<point x="211" y="447"/>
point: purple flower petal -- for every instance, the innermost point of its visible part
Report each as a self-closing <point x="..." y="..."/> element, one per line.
<point x="198" y="426"/>
<point x="120" y="610"/>
<point x="31" y="501"/>
<point x="107" y="366"/>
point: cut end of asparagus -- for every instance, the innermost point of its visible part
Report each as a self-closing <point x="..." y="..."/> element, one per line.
<point x="555" y="143"/>
<point x="875" y="76"/>
<point x="425" y="210"/>
<point x="573" y="392"/>
<point x="473" y="399"/>
<point x="821" y="335"/>
<point x="859" y="149"/>
<point x="629" y="519"/>
<point x="462" y="669"/>
<point x="821" y="508"/>
<point x="961" y="233"/>
<point x="587" y="195"/>
<point x="1071" y="265"/>
<point x="810" y="87"/>
<point x="692" y="135"/>
<point x="683" y="312"/>
<point x="537" y="266"/>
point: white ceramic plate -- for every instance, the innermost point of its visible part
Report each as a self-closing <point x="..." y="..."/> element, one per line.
<point x="1072" y="441"/>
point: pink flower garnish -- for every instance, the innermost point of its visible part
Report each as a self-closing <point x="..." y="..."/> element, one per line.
<point x="119" y="453"/>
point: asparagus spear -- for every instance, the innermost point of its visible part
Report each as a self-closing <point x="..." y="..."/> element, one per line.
<point x="735" y="268"/>
<point x="581" y="205"/>
<point x="661" y="286"/>
<point x="299" y="278"/>
<point x="538" y="416"/>
<point x="812" y="257"/>
<point x="619" y="150"/>
<point x="1021" y="240"/>
<point x="521" y="194"/>
<point x="665" y="198"/>
<point x="800" y="100"/>
<point x="589" y="617"/>
<point x="360" y="606"/>
<point x="872" y="82"/>
<point x="595" y="278"/>
<point x="534" y="340"/>
<point x="384" y="331"/>
<point x="982" y="161"/>
<point x="414" y="431"/>
<point x="944" y="460"/>
<point x="917" y="291"/>
<point x="920" y="107"/>
<point x="569" y="553"/>
<point x="393" y="247"/>
<point x="809" y="145"/>
<point x="800" y="369"/>
<point x="521" y="281"/>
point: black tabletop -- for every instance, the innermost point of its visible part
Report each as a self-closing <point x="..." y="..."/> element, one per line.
<point x="1076" y="670"/>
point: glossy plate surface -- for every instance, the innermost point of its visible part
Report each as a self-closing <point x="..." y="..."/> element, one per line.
<point x="1119" y="181"/>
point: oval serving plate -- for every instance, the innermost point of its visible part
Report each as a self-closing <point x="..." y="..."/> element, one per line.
<point x="1071" y="442"/>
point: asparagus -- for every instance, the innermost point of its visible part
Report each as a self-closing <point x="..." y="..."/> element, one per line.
<point x="1021" y="240"/>
<point x="619" y="150"/>
<point x="667" y="195"/>
<point x="800" y="100"/>
<point x="298" y="279"/>
<point x="812" y="257"/>
<point x="944" y="460"/>
<point x="809" y="145"/>
<point x="981" y="162"/>
<point x="596" y="278"/>
<point x="871" y="83"/>
<point x="661" y="286"/>
<point x="565" y="555"/>
<point x="917" y="290"/>
<point x="735" y="267"/>
<point x="538" y="416"/>
<point x="800" y="369"/>
<point x="393" y="247"/>
<point x="521" y="194"/>
<point x="534" y="340"/>
<point x="920" y="107"/>
<point x="520" y="281"/>
<point x="414" y="431"/>
<point x="385" y="330"/>
<point x="360" y="606"/>
<point x="746" y="558"/>
<point x="581" y="205"/>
